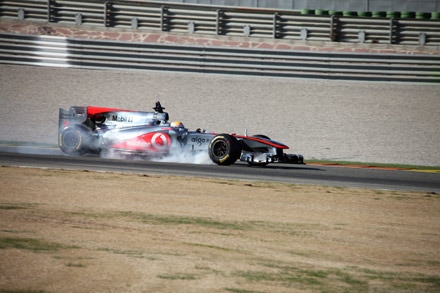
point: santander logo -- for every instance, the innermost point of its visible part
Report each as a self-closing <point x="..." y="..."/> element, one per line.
<point x="155" y="141"/>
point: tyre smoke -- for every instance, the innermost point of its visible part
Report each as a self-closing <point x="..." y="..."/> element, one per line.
<point x="176" y="154"/>
<point x="179" y="154"/>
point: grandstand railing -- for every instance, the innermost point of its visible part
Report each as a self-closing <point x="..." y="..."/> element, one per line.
<point x="99" y="54"/>
<point x="227" y="21"/>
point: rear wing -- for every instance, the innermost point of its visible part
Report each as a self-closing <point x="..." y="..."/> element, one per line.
<point x="75" y="115"/>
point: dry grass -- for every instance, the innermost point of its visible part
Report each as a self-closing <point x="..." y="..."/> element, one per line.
<point x="65" y="231"/>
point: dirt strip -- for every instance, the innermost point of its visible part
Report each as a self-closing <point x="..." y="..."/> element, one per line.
<point x="77" y="231"/>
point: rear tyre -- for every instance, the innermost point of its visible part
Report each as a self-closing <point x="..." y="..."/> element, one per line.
<point x="75" y="141"/>
<point x="224" y="149"/>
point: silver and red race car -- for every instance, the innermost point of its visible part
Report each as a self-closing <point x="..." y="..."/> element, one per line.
<point x="94" y="130"/>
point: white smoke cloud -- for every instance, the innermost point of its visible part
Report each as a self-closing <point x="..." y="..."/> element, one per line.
<point x="199" y="158"/>
<point x="116" y="154"/>
<point x="180" y="154"/>
<point x="177" y="154"/>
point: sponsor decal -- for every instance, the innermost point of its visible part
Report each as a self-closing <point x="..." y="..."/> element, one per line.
<point x="122" y="118"/>
<point x="154" y="141"/>
<point x="160" y="141"/>
<point x="138" y="143"/>
<point x="199" y="140"/>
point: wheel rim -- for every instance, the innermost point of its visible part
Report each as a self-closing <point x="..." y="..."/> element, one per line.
<point x="70" y="140"/>
<point x="220" y="149"/>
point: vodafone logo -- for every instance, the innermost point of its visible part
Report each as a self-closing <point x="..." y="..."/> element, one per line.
<point x="139" y="143"/>
<point x="160" y="141"/>
<point x="152" y="141"/>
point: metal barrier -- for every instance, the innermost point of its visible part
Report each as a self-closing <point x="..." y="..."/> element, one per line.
<point x="228" y="21"/>
<point x="98" y="54"/>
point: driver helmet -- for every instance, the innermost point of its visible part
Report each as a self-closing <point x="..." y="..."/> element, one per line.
<point x="177" y="124"/>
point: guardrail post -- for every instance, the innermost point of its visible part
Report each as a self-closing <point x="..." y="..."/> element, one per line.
<point x="162" y="18"/>
<point x="332" y="31"/>
<point x="422" y="39"/>
<point x="361" y="37"/>
<point x="78" y="19"/>
<point x="21" y="14"/>
<point x="247" y="30"/>
<point x="134" y="23"/>
<point x="218" y="22"/>
<point x="303" y="34"/>
<point x="50" y="6"/>
<point x="191" y="27"/>
<point x="391" y="35"/>
<point x="275" y="25"/>
<point x="107" y="13"/>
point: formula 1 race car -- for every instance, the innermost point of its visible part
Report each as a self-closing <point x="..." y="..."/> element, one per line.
<point x="94" y="130"/>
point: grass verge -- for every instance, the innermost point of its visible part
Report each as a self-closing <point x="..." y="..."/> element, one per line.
<point x="30" y="244"/>
<point x="382" y="165"/>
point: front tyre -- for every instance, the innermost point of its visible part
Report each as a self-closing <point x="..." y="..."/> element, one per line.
<point x="224" y="149"/>
<point x="75" y="141"/>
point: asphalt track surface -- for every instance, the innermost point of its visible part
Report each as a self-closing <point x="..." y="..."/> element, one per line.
<point x="297" y="174"/>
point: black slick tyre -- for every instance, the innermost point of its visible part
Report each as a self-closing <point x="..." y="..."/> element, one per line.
<point x="224" y="149"/>
<point x="73" y="141"/>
